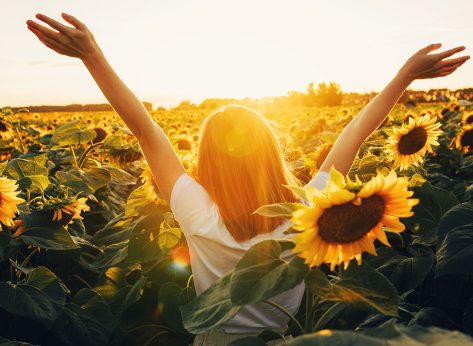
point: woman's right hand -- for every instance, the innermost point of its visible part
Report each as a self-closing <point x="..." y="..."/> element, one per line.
<point x="75" y="41"/>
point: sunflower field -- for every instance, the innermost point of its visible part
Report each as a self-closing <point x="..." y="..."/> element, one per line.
<point x="91" y="255"/>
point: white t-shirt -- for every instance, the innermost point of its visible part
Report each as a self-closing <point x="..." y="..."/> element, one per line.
<point x="213" y="253"/>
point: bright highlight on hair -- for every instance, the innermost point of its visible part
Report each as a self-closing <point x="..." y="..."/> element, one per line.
<point x="241" y="166"/>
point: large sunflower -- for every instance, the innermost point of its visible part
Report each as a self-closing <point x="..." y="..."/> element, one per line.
<point x="347" y="217"/>
<point x="8" y="200"/>
<point x="410" y="142"/>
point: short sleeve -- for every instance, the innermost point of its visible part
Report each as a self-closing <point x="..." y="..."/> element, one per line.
<point x="319" y="181"/>
<point x="192" y="206"/>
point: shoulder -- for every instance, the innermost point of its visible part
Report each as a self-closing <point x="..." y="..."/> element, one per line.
<point x="192" y="206"/>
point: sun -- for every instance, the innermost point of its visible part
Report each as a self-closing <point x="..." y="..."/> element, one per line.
<point x="346" y="218"/>
<point x="410" y="142"/>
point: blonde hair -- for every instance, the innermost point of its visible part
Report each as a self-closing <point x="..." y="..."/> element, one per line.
<point x="241" y="166"/>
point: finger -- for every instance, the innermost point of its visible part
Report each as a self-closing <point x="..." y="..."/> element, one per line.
<point x="74" y="21"/>
<point x="430" y="48"/>
<point x="55" y="24"/>
<point x="450" y="62"/>
<point x="443" y="74"/>
<point x="46" y="41"/>
<point x="449" y="52"/>
<point x="46" y="31"/>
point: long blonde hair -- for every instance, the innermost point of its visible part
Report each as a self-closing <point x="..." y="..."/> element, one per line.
<point x="241" y="166"/>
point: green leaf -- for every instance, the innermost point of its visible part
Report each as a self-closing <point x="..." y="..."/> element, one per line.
<point x="261" y="273"/>
<point x="434" y="202"/>
<point x="77" y="184"/>
<point x="48" y="238"/>
<point x="456" y="250"/>
<point x="28" y="173"/>
<point x="405" y="272"/>
<point x="168" y="238"/>
<point x="96" y="178"/>
<point x="71" y="133"/>
<point x="389" y="334"/>
<point x="279" y="209"/>
<point x="30" y="302"/>
<point x="459" y="215"/>
<point x="45" y="280"/>
<point x="358" y="285"/>
<point x="170" y="297"/>
<point x="87" y="320"/>
<point x="211" y="308"/>
<point x="111" y="255"/>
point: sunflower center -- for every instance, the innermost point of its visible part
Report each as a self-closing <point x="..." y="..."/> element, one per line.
<point x="467" y="139"/>
<point x="347" y="222"/>
<point x="413" y="141"/>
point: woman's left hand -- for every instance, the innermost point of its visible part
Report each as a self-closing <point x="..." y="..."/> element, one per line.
<point x="77" y="41"/>
<point x="423" y="65"/>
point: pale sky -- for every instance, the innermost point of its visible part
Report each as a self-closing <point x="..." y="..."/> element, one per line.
<point x="168" y="51"/>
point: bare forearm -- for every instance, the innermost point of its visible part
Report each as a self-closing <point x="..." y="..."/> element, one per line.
<point x="376" y="111"/>
<point x="122" y="99"/>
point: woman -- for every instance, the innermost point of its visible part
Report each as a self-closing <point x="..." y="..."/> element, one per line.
<point x="240" y="167"/>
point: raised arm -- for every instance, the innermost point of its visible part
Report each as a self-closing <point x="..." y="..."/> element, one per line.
<point x="79" y="42"/>
<point x="419" y="66"/>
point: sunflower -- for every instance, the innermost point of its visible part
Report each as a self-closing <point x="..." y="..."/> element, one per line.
<point x="464" y="140"/>
<point x="410" y="142"/>
<point x="8" y="200"/>
<point x="346" y="218"/>
<point x="467" y="119"/>
<point x="72" y="210"/>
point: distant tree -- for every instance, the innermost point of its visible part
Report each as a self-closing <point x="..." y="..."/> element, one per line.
<point x="185" y="105"/>
<point x="326" y="94"/>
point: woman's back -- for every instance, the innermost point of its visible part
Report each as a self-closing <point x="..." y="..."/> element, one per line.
<point x="214" y="252"/>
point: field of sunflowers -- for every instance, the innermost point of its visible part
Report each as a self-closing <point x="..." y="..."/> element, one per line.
<point x="91" y="255"/>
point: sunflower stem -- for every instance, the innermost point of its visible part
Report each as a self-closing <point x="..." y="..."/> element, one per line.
<point x="18" y="135"/>
<point x="285" y="312"/>
<point x="74" y="155"/>
<point x="309" y="302"/>
<point x="88" y="150"/>
<point x="28" y="195"/>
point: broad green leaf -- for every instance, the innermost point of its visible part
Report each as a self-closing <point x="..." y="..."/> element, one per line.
<point x="211" y="308"/>
<point x="434" y="202"/>
<point x="170" y="297"/>
<point x="30" y="302"/>
<point x="389" y="334"/>
<point x="96" y="178"/>
<point x="28" y="173"/>
<point x="405" y="272"/>
<point x="278" y="209"/>
<point x="261" y="273"/>
<point x="45" y="280"/>
<point x="71" y="133"/>
<point x="168" y="238"/>
<point x="459" y="215"/>
<point x="48" y="238"/>
<point x="456" y="250"/>
<point x="77" y="184"/>
<point x="358" y="285"/>
<point x="111" y="255"/>
<point x="87" y="320"/>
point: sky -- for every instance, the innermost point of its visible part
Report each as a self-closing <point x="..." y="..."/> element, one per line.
<point x="170" y="50"/>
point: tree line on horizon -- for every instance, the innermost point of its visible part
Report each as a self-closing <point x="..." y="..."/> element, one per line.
<point x="326" y="94"/>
